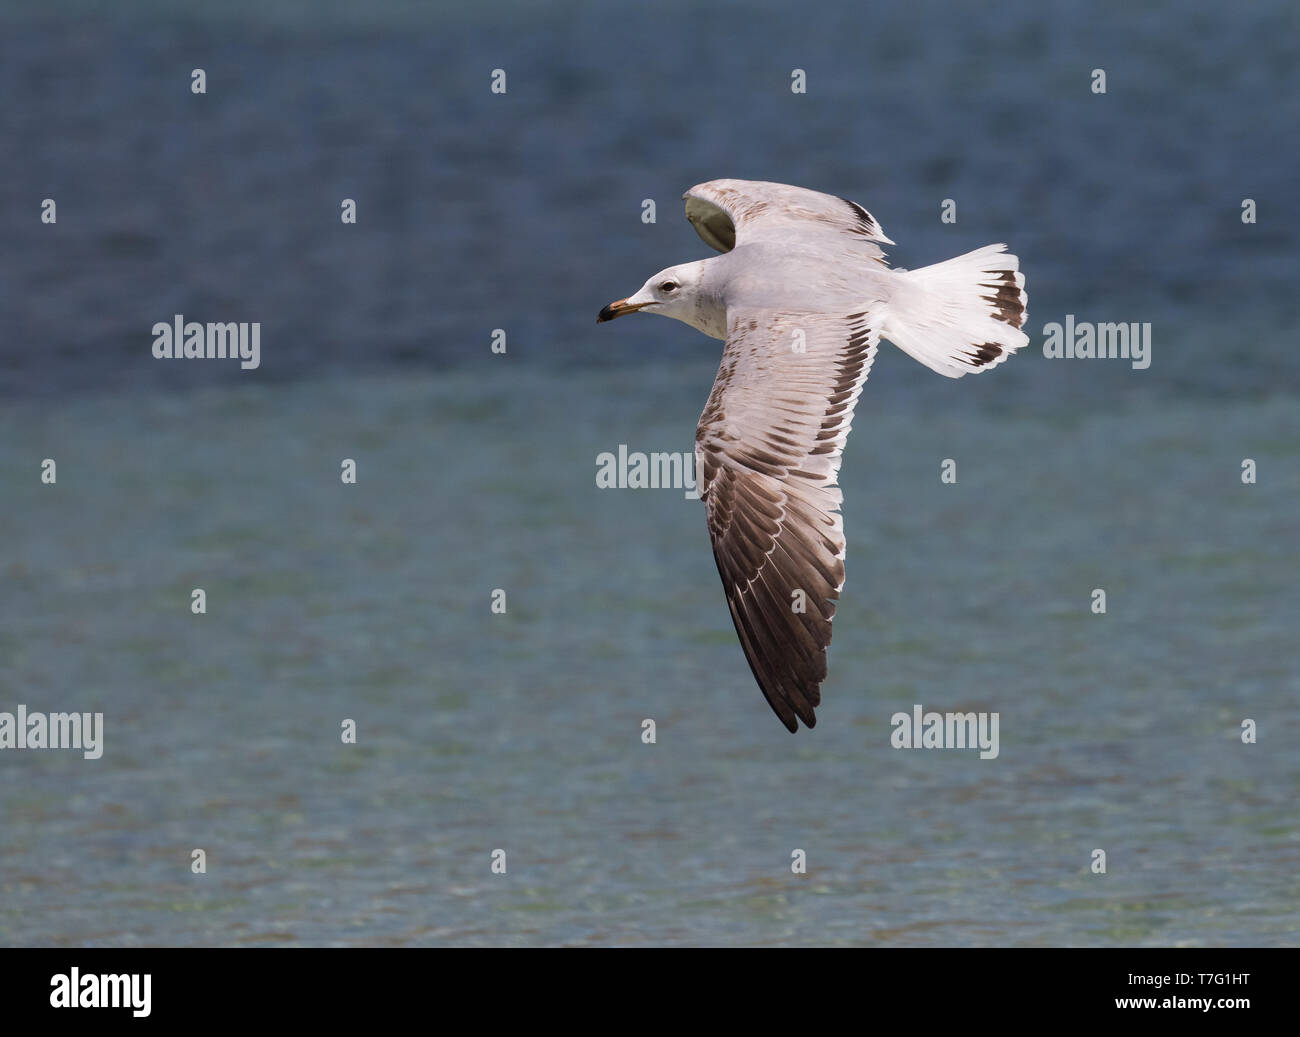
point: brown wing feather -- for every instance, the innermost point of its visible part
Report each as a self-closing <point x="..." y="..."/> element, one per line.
<point x="768" y="448"/>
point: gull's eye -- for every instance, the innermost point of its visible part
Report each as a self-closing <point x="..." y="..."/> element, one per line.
<point x="668" y="286"/>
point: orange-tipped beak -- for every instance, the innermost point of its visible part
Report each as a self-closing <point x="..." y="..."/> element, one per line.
<point x="618" y="308"/>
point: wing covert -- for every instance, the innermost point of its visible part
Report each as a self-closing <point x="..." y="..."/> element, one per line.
<point x="725" y="212"/>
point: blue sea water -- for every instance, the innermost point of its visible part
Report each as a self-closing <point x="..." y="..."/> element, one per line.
<point x="476" y="472"/>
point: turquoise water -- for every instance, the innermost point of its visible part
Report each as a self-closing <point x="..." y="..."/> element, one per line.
<point x="522" y="731"/>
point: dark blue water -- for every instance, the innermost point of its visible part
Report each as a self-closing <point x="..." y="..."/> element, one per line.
<point x="522" y="211"/>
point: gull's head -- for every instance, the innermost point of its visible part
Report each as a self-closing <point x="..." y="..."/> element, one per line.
<point x="671" y="293"/>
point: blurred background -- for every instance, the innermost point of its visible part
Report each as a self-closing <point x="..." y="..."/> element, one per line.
<point x="476" y="471"/>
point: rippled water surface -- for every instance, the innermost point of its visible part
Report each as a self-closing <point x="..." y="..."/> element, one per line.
<point x="477" y="471"/>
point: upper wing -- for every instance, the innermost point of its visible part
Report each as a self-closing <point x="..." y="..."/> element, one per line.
<point x="767" y="454"/>
<point x="725" y="211"/>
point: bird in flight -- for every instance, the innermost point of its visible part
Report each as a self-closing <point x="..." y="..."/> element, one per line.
<point x="802" y="296"/>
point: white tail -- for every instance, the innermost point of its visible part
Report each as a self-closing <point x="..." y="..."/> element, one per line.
<point x="961" y="315"/>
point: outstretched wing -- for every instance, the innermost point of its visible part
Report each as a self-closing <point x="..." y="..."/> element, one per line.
<point x="767" y="454"/>
<point x="726" y="211"/>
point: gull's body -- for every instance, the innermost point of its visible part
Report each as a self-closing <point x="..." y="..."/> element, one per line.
<point x="802" y="295"/>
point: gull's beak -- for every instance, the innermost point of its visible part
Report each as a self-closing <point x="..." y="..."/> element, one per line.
<point x="618" y="308"/>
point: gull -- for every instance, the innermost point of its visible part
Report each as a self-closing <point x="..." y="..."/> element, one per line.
<point x="802" y="296"/>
